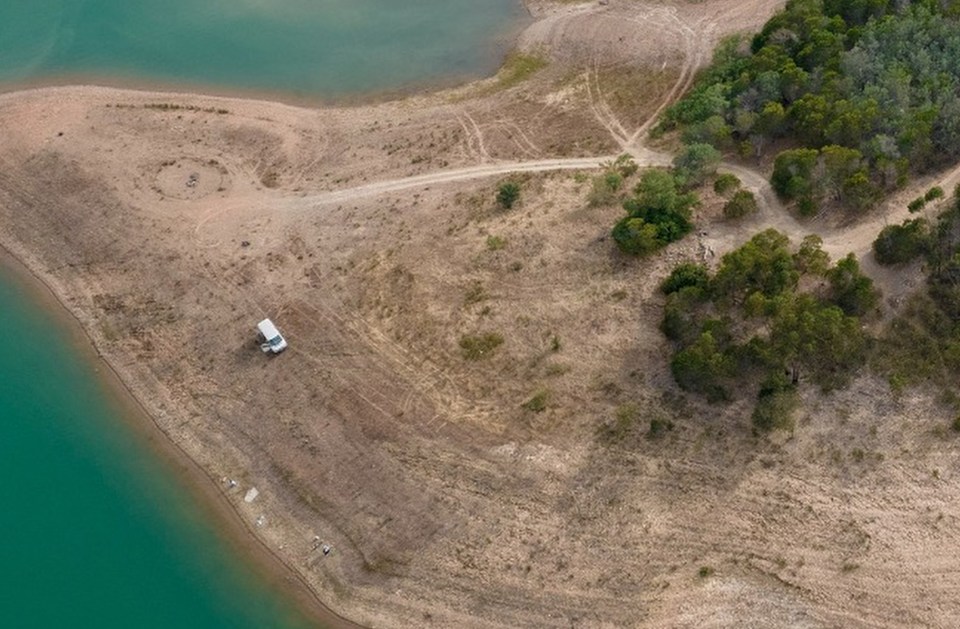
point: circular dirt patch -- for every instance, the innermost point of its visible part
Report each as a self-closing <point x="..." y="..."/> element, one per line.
<point x="190" y="178"/>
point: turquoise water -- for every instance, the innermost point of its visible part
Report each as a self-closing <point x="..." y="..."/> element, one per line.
<point x="93" y="533"/>
<point x="309" y="47"/>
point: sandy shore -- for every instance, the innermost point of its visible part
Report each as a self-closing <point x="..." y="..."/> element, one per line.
<point x="167" y="224"/>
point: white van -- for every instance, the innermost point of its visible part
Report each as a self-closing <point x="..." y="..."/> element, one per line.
<point x="270" y="338"/>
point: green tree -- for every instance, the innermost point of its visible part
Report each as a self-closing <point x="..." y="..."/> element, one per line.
<point x="726" y="182"/>
<point x="703" y="367"/>
<point x="793" y="173"/>
<point x="695" y="163"/>
<point x="811" y="258"/>
<point x="850" y="289"/>
<point x="764" y="264"/>
<point x="684" y="275"/>
<point x="657" y="214"/>
<point x="897" y="244"/>
<point x="740" y="204"/>
<point x="819" y="339"/>
<point x="636" y="236"/>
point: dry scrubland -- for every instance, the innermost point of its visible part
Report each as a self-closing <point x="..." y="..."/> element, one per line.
<point x="557" y="479"/>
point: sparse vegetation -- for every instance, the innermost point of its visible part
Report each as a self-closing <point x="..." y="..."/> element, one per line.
<point x="518" y="67"/>
<point x="659" y="427"/>
<point x="922" y="344"/>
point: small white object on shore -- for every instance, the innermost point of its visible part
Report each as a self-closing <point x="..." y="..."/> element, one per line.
<point x="251" y="495"/>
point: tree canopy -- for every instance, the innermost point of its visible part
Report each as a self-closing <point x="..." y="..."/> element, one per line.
<point x="750" y="326"/>
<point x="867" y="91"/>
<point x="658" y="213"/>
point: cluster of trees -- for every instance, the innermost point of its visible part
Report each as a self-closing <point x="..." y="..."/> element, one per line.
<point x="750" y="327"/>
<point x="865" y="90"/>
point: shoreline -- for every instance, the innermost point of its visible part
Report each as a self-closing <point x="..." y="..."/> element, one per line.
<point x="502" y="45"/>
<point x="223" y="517"/>
<point x="219" y="513"/>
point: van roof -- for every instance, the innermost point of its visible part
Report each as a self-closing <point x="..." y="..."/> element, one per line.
<point x="268" y="330"/>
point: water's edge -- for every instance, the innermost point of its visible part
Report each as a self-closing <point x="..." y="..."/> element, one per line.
<point x="220" y="514"/>
<point x="503" y="43"/>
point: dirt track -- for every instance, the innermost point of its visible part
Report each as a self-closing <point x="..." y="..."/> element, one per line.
<point x="370" y="236"/>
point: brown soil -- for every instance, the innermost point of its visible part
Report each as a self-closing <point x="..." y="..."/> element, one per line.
<point x="521" y="489"/>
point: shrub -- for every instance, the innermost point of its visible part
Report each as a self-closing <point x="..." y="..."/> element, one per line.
<point x="850" y="289"/>
<point x="496" y="243"/>
<point x="933" y="194"/>
<point x="897" y="244"/>
<point x="703" y="367"/>
<point x="538" y="402"/>
<point x="695" y="163"/>
<point x="658" y="214"/>
<point x="508" y="194"/>
<point x="659" y="428"/>
<point x="684" y="275"/>
<point x="603" y="190"/>
<point x="741" y="204"/>
<point x="635" y="236"/>
<point x="725" y="182"/>
<point x="476" y="347"/>
<point x="775" y="405"/>
<point x="916" y="205"/>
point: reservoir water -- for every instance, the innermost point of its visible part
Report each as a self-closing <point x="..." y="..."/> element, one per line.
<point x="95" y="532"/>
<point x="306" y="47"/>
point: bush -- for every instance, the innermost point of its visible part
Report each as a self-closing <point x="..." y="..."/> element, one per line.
<point x="537" y="403"/>
<point x="725" y="182"/>
<point x="933" y="194"/>
<point x="897" y="244"/>
<point x="684" y="275"/>
<point x="703" y="367"/>
<point x="657" y="214"/>
<point x="474" y="347"/>
<point x="508" y="194"/>
<point x="850" y="289"/>
<point x="741" y="204"/>
<point x="916" y="205"/>
<point x="775" y="405"/>
<point x="496" y="243"/>
<point x="695" y="163"/>
<point x="603" y="190"/>
<point x="659" y="427"/>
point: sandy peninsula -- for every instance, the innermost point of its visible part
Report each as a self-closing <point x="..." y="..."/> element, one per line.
<point x="168" y="224"/>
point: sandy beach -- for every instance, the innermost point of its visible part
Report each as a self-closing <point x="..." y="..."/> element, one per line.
<point x="167" y="224"/>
